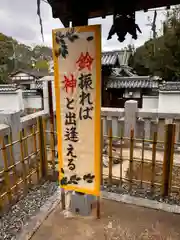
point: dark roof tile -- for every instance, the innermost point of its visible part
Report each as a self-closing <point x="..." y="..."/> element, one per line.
<point x="133" y="82"/>
<point x="32" y="72"/>
<point x="8" y="88"/>
<point x="169" y="86"/>
<point x="110" y="58"/>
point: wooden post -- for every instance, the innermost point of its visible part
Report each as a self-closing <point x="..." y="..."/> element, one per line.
<point x="12" y="162"/>
<point x="6" y="172"/>
<point x="24" y="175"/>
<point x="142" y="160"/>
<point x="110" y="155"/>
<point x="131" y="149"/>
<point x="43" y="160"/>
<point x="168" y="158"/>
<point x="102" y="146"/>
<point x="63" y="199"/>
<point x="26" y="153"/>
<point x="153" y="161"/>
<point x="120" y="134"/>
<point x="51" y="113"/>
<point x="34" y="143"/>
<point x="50" y="100"/>
<point x="101" y="172"/>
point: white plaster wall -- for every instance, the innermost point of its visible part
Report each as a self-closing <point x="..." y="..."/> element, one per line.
<point x="32" y="102"/>
<point x="10" y="101"/>
<point x="45" y="96"/>
<point x="169" y="102"/>
<point x="150" y="102"/>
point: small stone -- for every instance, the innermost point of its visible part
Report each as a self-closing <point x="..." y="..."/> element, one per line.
<point x="12" y="222"/>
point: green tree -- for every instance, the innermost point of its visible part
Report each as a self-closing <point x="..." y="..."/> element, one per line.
<point x="15" y="55"/>
<point x="161" y="56"/>
<point x="42" y="65"/>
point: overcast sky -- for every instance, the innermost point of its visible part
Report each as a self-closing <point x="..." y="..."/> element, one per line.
<point x="18" y="19"/>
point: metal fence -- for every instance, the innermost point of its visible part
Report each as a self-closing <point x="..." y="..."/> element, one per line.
<point x="128" y="164"/>
<point x="136" y="166"/>
<point x="36" y="163"/>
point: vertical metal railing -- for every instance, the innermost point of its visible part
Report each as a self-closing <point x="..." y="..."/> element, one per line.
<point x="110" y="156"/>
<point x="153" y="161"/>
<point x="168" y="158"/>
<point x="26" y="163"/>
<point x="36" y="161"/>
<point x="140" y="162"/>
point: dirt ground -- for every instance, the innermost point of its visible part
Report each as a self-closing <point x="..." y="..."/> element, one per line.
<point x="118" y="221"/>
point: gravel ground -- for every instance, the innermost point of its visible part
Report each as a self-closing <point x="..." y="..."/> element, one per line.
<point x="12" y="222"/>
<point x="145" y="192"/>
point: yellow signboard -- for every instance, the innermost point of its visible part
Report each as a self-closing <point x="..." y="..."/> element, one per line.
<point x="77" y="69"/>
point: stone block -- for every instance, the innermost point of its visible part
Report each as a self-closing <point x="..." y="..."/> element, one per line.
<point x="81" y="203"/>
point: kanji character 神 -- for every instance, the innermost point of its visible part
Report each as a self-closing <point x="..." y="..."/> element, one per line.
<point x="83" y="96"/>
<point x="84" y="61"/>
<point x="69" y="83"/>
<point x="85" y="113"/>
<point x="69" y="103"/>
<point x="85" y="81"/>
<point x="71" y="134"/>
<point x="70" y="118"/>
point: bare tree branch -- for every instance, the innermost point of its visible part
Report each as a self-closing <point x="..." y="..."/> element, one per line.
<point x="40" y="19"/>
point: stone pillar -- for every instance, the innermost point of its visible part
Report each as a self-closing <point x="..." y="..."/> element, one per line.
<point x="12" y="119"/>
<point x="109" y="123"/>
<point x="130" y="117"/>
<point x="121" y="126"/>
<point x="177" y="138"/>
<point x="45" y="96"/>
<point x="147" y="130"/>
<point x="21" y="103"/>
<point x="115" y="132"/>
<point x="104" y="126"/>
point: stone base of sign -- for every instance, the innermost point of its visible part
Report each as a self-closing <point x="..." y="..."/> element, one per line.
<point x="81" y="203"/>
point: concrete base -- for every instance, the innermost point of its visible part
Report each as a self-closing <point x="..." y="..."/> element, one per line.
<point x="81" y="203"/>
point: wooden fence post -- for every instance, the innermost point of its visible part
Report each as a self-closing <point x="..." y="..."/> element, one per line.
<point x="168" y="158"/>
<point x="110" y="155"/>
<point x="43" y="160"/>
<point x="51" y="113"/>
<point x="131" y="153"/>
<point x="101" y="171"/>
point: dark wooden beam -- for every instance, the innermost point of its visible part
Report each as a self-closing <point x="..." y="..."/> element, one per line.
<point x="79" y="13"/>
<point x="79" y="21"/>
<point x="71" y="10"/>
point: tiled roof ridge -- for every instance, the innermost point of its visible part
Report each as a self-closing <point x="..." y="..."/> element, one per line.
<point x="132" y="82"/>
<point x="169" y="86"/>
<point x="32" y="72"/>
<point x="9" y="85"/>
<point x="111" y="57"/>
<point x="116" y="51"/>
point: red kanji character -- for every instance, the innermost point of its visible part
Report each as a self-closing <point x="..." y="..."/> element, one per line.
<point x="85" y="61"/>
<point x="69" y="83"/>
